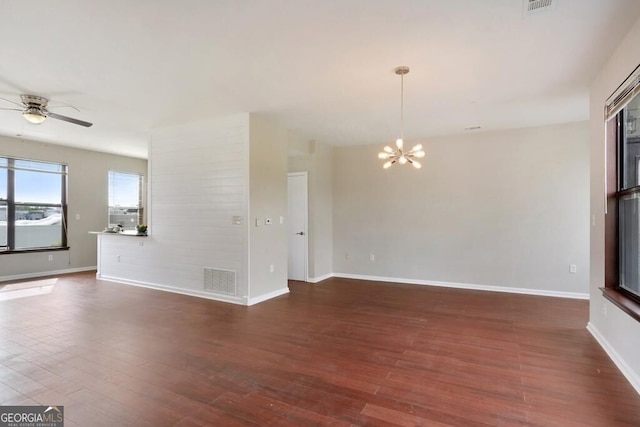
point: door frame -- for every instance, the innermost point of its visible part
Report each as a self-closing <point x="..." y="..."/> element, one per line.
<point x="304" y="174"/>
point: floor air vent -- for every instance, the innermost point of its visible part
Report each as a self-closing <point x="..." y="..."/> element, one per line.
<point x="220" y="281"/>
<point x="533" y="7"/>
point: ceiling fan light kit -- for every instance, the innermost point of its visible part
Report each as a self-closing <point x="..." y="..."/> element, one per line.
<point x="34" y="115"/>
<point x="397" y="154"/>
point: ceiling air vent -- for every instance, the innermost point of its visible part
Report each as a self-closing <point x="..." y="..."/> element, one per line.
<point x="534" y="7"/>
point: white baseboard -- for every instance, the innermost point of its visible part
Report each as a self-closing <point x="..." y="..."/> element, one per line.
<point x="194" y="293"/>
<point x="46" y="273"/>
<point x="189" y="292"/>
<point x="631" y="376"/>
<point x="267" y="296"/>
<point x="320" y="278"/>
<point x="526" y="291"/>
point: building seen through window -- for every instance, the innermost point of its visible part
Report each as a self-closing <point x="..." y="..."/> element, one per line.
<point x="125" y="199"/>
<point x="33" y="198"/>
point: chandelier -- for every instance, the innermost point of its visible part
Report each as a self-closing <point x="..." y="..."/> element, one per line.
<point x="397" y="154"/>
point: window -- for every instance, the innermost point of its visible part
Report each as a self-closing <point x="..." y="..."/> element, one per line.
<point x="622" y="219"/>
<point x="628" y="196"/>
<point x="33" y="205"/>
<point x="125" y="199"/>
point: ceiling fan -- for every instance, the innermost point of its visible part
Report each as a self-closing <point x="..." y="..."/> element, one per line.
<point x="34" y="110"/>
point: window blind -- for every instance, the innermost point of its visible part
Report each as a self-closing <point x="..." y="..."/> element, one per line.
<point x="623" y="95"/>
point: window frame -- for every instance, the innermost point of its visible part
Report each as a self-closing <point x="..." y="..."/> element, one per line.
<point x="627" y="301"/>
<point x="141" y="197"/>
<point x="11" y="206"/>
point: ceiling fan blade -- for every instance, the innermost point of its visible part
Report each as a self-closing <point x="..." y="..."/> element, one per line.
<point x="69" y="119"/>
<point x="12" y="102"/>
<point x="11" y="109"/>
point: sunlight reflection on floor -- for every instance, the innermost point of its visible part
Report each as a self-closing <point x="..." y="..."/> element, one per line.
<point x="27" y="289"/>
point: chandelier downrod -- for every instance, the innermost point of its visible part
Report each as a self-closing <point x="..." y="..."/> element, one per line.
<point x="401" y="71"/>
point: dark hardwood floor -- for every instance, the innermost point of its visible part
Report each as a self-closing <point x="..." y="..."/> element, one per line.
<point x="337" y="353"/>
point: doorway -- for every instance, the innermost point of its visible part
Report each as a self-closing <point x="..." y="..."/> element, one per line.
<point x="298" y="238"/>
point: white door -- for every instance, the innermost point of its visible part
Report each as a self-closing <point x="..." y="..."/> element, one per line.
<point x="297" y="228"/>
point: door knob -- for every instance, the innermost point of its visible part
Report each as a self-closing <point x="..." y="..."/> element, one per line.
<point x="300" y="233"/>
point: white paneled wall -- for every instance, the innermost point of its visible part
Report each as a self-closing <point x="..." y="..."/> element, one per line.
<point x="200" y="182"/>
<point x="199" y="178"/>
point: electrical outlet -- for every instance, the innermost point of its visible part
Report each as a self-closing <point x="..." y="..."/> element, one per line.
<point x="573" y="269"/>
<point x="117" y="258"/>
<point x="50" y="257"/>
<point x="346" y="255"/>
<point x="77" y="217"/>
<point x="271" y="268"/>
<point x="372" y="257"/>
<point x="140" y="243"/>
<point x="281" y="220"/>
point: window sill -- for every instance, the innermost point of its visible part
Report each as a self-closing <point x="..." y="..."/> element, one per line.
<point x="623" y="301"/>
<point x="121" y="233"/>
<point x="28" y="251"/>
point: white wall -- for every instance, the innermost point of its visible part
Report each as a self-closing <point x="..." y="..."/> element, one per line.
<point x="199" y="182"/>
<point x="317" y="159"/>
<point x="268" y="199"/>
<point x="202" y="175"/>
<point x="87" y="197"/>
<point x="617" y="332"/>
<point x="502" y="209"/>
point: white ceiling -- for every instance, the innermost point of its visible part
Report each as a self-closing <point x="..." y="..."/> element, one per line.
<point x="322" y="67"/>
